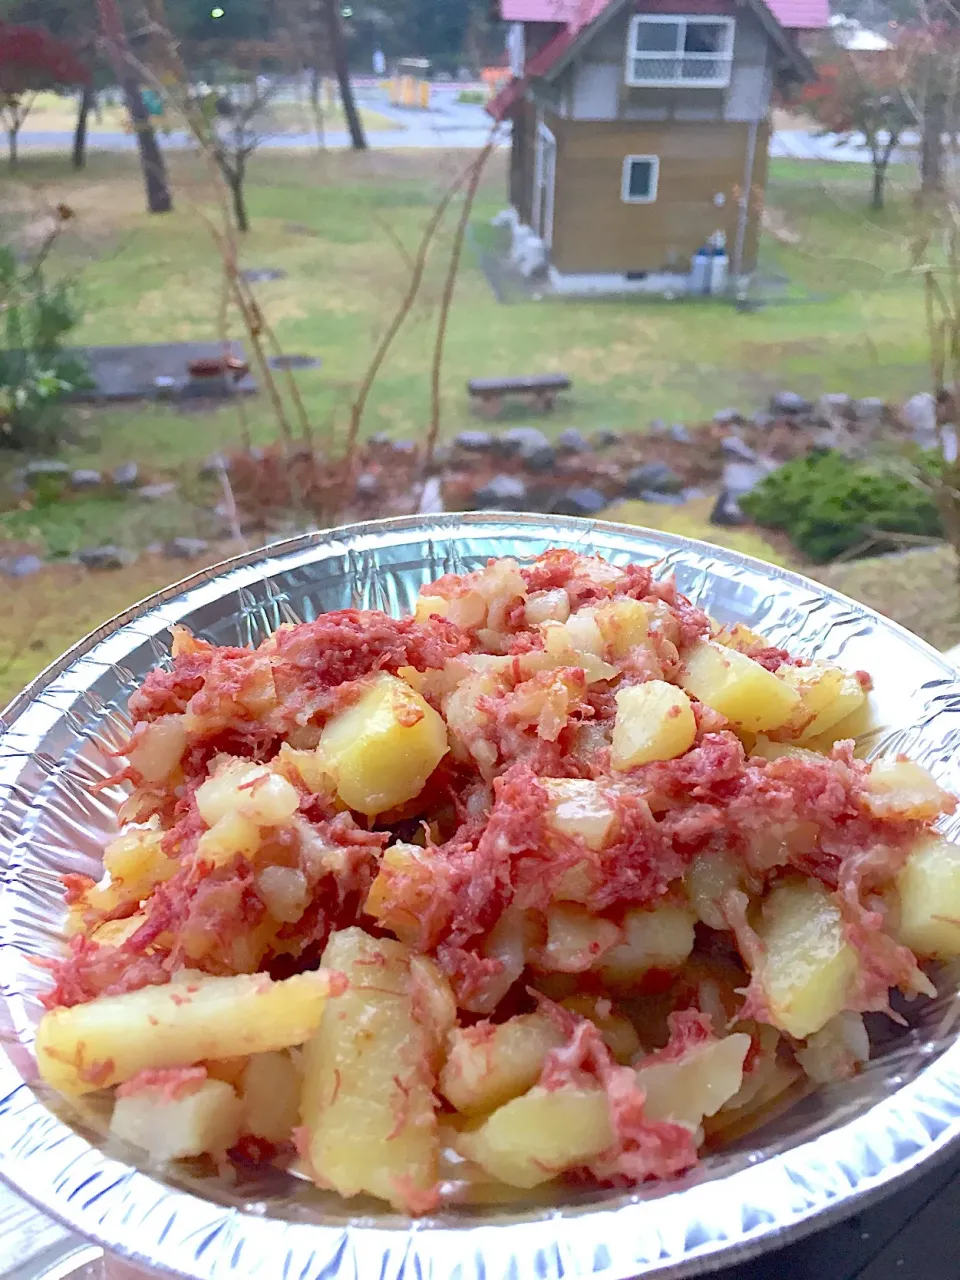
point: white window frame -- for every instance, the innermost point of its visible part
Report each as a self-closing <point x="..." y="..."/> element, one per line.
<point x="636" y="58"/>
<point x="541" y="189"/>
<point x="628" y="162"/>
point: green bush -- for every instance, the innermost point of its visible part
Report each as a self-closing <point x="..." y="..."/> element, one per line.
<point x="473" y="97"/>
<point x="35" y="371"/>
<point x="828" y="504"/>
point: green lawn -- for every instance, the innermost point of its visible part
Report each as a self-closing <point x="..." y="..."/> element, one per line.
<point x="844" y="314"/>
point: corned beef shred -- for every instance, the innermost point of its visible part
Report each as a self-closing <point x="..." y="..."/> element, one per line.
<point x="89" y="970"/>
<point x="641" y="1148"/>
<point x="169" y="1083"/>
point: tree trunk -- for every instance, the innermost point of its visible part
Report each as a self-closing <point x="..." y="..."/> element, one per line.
<point x="931" y="145"/>
<point x="316" y="104"/>
<point x="236" y="181"/>
<point x="879" y="178"/>
<point x="80" y="133"/>
<point x="338" y="50"/>
<point x="13" y="133"/>
<point x="155" y="177"/>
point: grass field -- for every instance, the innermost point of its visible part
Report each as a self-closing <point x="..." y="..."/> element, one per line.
<point x="845" y="314"/>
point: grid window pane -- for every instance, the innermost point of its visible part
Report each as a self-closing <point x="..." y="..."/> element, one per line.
<point x="661" y="70"/>
<point x="704" y="69"/>
<point x="705" y="37"/>
<point x="658" y="37"/>
<point x="640" y="181"/>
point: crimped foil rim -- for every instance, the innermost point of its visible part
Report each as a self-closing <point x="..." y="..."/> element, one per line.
<point x="706" y="1223"/>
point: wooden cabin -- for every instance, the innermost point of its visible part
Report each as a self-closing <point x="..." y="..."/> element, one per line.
<point x="641" y="128"/>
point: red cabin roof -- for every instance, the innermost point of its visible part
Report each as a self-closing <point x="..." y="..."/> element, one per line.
<point x="795" y="15"/>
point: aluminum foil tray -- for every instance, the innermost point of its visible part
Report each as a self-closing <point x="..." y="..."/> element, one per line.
<point x="821" y="1159"/>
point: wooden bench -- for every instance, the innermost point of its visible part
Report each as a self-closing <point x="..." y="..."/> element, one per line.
<point x="488" y="394"/>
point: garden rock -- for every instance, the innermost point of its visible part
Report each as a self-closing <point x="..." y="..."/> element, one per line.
<point x="763" y="421"/>
<point x="728" y="417"/>
<point x="108" y="557"/>
<point x="185" y="548"/>
<point x="475" y="441"/>
<point x="679" y="434"/>
<point x="44" y="469"/>
<point x="740" y="478"/>
<point x="156" y="492"/>
<point x="605" y="438"/>
<point x="217" y="464"/>
<point x="919" y="414"/>
<point x="368" y="486"/>
<point x="834" y="403"/>
<point x="658" y="427"/>
<point x="407" y="448"/>
<point x="501" y="491"/>
<point x="580" y="501"/>
<point x="572" y="441"/>
<point x="85" y="479"/>
<point x="726" y="511"/>
<point x="381" y="437"/>
<point x="20" y="566"/>
<point x="869" y="409"/>
<point x="126" y="475"/>
<point x="788" y="402"/>
<point x="734" y="447"/>
<point x="653" y="476"/>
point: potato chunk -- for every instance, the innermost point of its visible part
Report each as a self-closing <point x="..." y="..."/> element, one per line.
<point x="253" y="791"/>
<point x="487" y="1066"/>
<point x="576" y="939"/>
<point x="133" y="865"/>
<point x="828" y="695"/>
<point x="270" y="1092"/>
<point x="809" y="967"/>
<point x="624" y="624"/>
<point x="368" y="1103"/>
<point x="747" y="694"/>
<point x="929" y="890"/>
<point x="902" y="789"/>
<point x="191" y="1121"/>
<point x="655" y="721"/>
<point x="537" y="1136"/>
<point x="403" y="891"/>
<point x="658" y="939"/>
<point x="114" y="1038"/>
<point x="696" y="1085"/>
<point x="384" y="747"/>
<point x="581" y="809"/>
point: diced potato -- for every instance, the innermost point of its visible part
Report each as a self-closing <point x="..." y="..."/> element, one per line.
<point x="231" y="836"/>
<point x="114" y="933"/>
<point x="403" y="891"/>
<point x="618" y="1032"/>
<point x="285" y="893"/>
<point x="368" y="1103"/>
<point x="251" y="790"/>
<point x="270" y="1093"/>
<point x="696" y="1085"/>
<point x="624" y="624"/>
<point x="467" y="610"/>
<point x="748" y="695"/>
<point x="133" y="865"/>
<point x="809" y="967"/>
<point x="655" y="721"/>
<point x="738" y="636"/>
<point x="828" y="695"/>
<point x="580" y="809"/>
<point x="836" y="1050"/>
<point x="511" y="941"/>
<point x="434" y="1007"/>
<point x="157" y="747"/>
<point x="902" y="789"/>
<point x="578" y="642"/>
<point x="114" y="1038"/>
<point x="537" y="1136"/>
<point x="547" y="606"/>
<point x="767" y="750"/>
<point x="658" y="939"/>
<point x="709" y="876"/>
<point x="204" y="1119"/>
<point x="384" y="747"/>
<point x="487" y="1066"/>
<point x="929" y="892"/>
<point x="576" y="939"/>
<point x="307" y="767"/>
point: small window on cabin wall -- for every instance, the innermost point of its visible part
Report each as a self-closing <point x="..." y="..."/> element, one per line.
<point x="641" y="174"/>
<point x="689" y="50"/>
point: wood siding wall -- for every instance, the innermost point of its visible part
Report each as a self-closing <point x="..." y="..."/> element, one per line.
<point x="596" y="232"/>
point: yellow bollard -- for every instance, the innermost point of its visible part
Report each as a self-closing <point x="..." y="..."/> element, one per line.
<point x="425" y="94"/>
